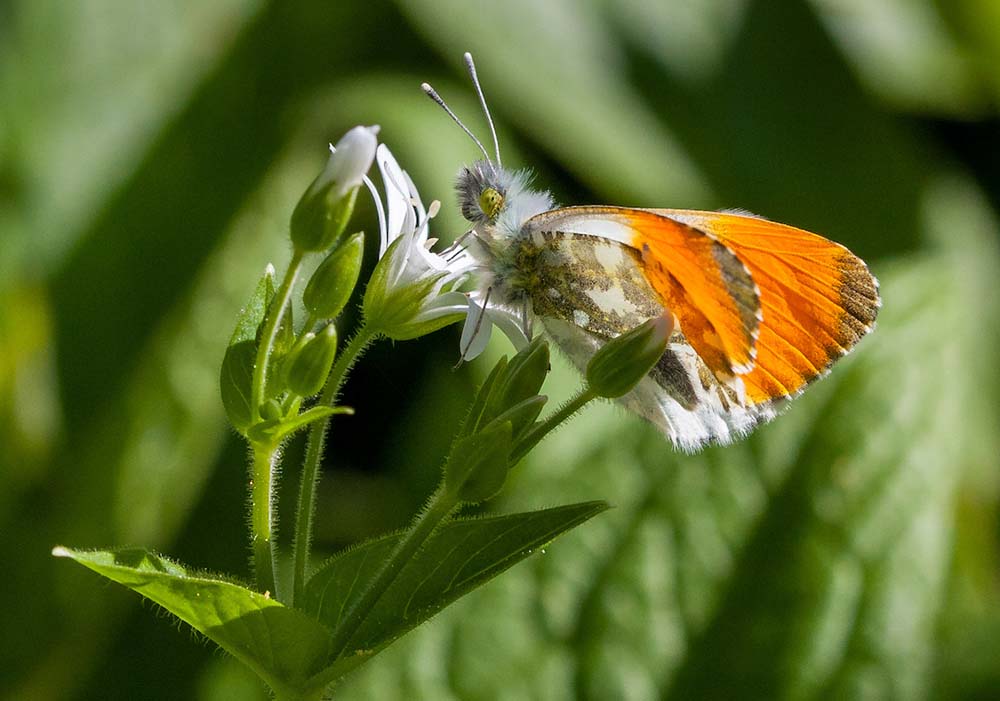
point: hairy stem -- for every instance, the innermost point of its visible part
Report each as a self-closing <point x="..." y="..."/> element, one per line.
<point x="306" y="507"/>
<point x="262" y="516"/>
<point x="272" y="322"/>
<point x="441" y="504"/>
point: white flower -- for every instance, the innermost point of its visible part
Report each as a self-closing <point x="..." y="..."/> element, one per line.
<point x="414" y="290"/>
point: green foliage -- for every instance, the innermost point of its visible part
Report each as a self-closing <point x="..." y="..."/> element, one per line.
<point x="236" y="376"/>
<point x="292" y="650"/>
<point x="461" y="556"/>
<point x="284" y="646"/>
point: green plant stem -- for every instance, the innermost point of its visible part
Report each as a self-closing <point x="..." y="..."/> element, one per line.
<point x="312" y="695"/>
<point x="539" y="431"/>
<point x="306" y="507"/>
<point x="275" y="313"/>
<point x="262" y="516"/>
<point x="441" y="504"/>
<point x="310" y="324"/>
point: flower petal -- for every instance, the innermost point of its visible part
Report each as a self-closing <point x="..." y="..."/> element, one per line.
<point x="476" y="332"/>
<point x="396" y="196"/>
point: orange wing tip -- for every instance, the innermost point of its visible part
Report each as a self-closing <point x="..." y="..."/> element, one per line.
<point x="708" y="287"/>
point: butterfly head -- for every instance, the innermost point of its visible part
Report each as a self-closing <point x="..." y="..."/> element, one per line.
<point x="496" y="199"/>
<point x="481" y="194"/>
<point x="491" y="197"/>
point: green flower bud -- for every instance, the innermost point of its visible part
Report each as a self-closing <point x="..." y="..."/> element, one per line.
<point x="525" y="374"/>
<point x="622" y="362"/>
<point x="477" y="467"/>
<point x="309" y="364"/>
<point x="271" y="410"/>
<point x="331" y="285"/>
<point x="322" y="213"/>
<point x="523" y="414"/>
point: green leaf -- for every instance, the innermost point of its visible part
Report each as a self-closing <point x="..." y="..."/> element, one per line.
<point x="277" y="430"/>
<point x="252" y="314"/>
<point x="462" y="555"/>
<point x="282" y="645"/>
<point x="236" y="375"/>
<point x="235" y="381"/>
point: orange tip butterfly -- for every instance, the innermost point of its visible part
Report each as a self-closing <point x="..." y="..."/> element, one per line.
<point x="760" y="309"/>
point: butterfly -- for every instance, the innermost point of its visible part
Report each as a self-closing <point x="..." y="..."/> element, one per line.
<point x="760" y="309"/>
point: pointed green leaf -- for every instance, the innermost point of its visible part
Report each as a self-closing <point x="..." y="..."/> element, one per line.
<point x="252" y="314"/>
<point x="280" y="429"/>
<point x="236" y="374"/>
<point x="235" y="381"/>
<point x="282" y="645"/>
<point x="463" y="555"/>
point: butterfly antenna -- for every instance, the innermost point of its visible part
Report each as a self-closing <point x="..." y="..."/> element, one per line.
<point x="432" y="94"/>
<point x="482" y="101"/>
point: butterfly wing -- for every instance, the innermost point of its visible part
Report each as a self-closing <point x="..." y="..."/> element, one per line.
<point x="762" y="309"/>
<point x="817" y="298"/>
<point x="700" y="280"/>
<point x="587" y="286"/>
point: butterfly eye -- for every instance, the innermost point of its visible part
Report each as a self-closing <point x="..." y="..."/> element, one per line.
<point x="490" y="202"/>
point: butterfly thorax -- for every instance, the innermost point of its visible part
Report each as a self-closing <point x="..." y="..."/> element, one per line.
<point x="589" y="281"/>
<point x="498" y="203"/>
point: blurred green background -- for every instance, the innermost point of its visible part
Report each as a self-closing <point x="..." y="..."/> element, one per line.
<point x="150" y="154"/>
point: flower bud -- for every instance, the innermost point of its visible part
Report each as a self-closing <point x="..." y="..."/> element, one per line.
<point x="622" y="362"/>
<point x="522" y="415"/>
<point x="477" y="467"/>
<point x="310" y="363"/>
<point x="322" y="213"/>
<point x="524" y="374"/>
<point x="330" y="287"/>
<point x="271" y="410"/>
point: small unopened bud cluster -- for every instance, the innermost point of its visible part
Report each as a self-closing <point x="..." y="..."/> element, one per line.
<point x="300" y="362"/>
<point x="504" y="410"/>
